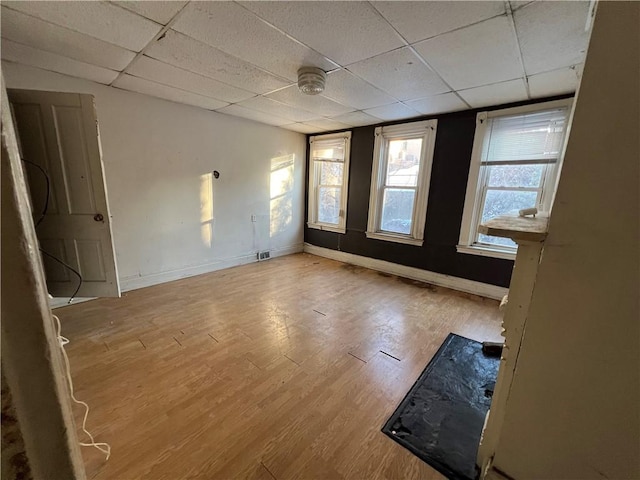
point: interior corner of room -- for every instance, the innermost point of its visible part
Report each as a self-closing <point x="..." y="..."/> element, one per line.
<point x="261" y="221"/>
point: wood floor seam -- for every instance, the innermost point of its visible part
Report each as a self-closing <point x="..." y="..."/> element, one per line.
<point x="250" y="382"/>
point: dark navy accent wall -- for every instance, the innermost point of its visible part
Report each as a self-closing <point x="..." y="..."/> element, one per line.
<point x="452" y="157"/>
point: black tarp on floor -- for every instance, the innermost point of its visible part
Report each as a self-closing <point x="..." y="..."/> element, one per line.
<point x="441" y="418"/>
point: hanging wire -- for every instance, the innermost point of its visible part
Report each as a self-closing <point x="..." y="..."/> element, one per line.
<point x="45" y="208"/>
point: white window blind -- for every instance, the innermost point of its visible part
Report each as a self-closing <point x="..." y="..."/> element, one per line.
<point x="531" y="138"/>
<point x="329" y="150"/>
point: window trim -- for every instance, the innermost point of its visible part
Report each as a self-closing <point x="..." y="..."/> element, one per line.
<point x="312" y="214"/>
<point x="470" y="216"/>
<point x="426" y="130"/>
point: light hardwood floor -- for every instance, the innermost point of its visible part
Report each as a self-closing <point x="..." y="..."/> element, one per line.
<point x="271" y="370"/>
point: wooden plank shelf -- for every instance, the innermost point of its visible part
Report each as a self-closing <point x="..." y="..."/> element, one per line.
<point x="518" y="229"/>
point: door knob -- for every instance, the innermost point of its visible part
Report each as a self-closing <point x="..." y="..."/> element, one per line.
<point x="98" y="217"/>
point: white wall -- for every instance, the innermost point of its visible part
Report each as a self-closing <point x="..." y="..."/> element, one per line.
<point x="574" y="406"/>
<point x="158" y="158"/>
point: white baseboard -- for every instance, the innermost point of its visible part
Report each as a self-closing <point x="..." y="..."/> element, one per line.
<point x="135" y="282"/>
<point x="456" y="283"/>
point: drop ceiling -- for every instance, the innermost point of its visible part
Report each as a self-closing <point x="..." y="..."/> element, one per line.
<point x="385" y="60"/>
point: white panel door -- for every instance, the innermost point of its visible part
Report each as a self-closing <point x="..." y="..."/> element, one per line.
<point x="59" y="132"/>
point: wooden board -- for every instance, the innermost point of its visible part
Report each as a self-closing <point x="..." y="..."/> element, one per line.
<point x="518" y="229"/>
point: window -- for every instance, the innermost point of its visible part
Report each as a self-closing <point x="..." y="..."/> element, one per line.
<point x="514" y="165"/>
<point x="402" y="160"/>
<point x="328" y="181"/>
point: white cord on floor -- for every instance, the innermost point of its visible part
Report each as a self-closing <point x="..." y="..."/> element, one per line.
<point x="103" y="447"/>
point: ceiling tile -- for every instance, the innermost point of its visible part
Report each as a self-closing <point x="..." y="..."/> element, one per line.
<point x="515" y="5"/>
<point x="346" y="88"/>
<point x="157" y="11"/>
<point x="140" y="85"/>
<point x="267" y="105"/>
<point x="164" y="73"/>
<point x="184" y="52"/>
<point x="420" y="20"/>
<point x="401" y="74"/>
<point x="325" y="124"/>
<point x="496" y="94"/>
<point x="236" y="31"/>
<point x="238" y="111"/>
<point x="98" y="19"/>
<point x="346" y="32"/>
<point x="46" y="36"/>
<point x="356" y="119"/>
<point x="556" y="82"/>
<point x="26" y="55"/>
<point x="552" y="34"/>
<point x="301" y="128"/>
<point x="481" y="54"/>
<point x="395" y="111"/>
<point x="446" y="102"/>
<point x="229" y="52"/>
<point x="317" y="104"/>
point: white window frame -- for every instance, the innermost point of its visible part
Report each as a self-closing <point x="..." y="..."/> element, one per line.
<point x="314" y="178"/>
<point x="425" y="130"/>
<point x="477" y="180"/>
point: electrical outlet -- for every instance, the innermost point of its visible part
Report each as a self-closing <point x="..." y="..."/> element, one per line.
<point x="254" y="218"/>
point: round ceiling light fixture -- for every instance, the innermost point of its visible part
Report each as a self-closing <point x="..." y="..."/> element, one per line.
<point x="311" y="80"/>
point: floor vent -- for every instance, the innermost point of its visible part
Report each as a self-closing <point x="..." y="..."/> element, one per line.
<point x="264" y="255"/>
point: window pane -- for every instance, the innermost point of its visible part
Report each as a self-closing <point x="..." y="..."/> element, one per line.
<point x="331" y="173"/>
<point x="497" y="241"/>
<point x="499" y="202"/>
<point x="397" y="210"/>
<point x="403" y="162"/>
<point x="329" y="205"/>
<point x="515" y="175"/>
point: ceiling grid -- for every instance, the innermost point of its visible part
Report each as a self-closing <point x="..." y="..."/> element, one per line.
<point x="158" y="35"/>
<point x="385" y="60"/>
<point x="421" y="58"/>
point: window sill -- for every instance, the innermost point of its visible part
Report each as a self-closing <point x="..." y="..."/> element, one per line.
<point x="486" y="251"/>
<point x="389" y="237"/>
<point x="326" y="228"/>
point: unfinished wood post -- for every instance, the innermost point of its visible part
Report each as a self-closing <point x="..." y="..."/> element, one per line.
<point x="31" y="358"/>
